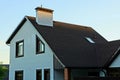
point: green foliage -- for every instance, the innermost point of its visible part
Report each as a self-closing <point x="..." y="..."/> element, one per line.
<point x="3" y="72"/>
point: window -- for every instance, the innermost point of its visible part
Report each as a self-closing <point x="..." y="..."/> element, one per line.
<point x="47" y="74"/>
<point x="18" y="75"/>
<point x="40" y="47"/>
<point x="113" y="72"/>
<point x="39" y="74"/>
<point x="93" y="74"/>
<point x="20" y="49"/>
<point x="89" y="39"/>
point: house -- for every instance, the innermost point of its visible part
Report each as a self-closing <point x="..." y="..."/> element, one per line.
<point x="43" y="49"/>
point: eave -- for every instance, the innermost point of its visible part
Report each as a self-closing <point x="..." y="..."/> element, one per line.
<point x="16" y="30"/>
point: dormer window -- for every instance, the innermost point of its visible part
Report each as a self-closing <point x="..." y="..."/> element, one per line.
<point x="90" y="40"/>
<point x="40" y="47"/>
<point x="20" y="48"/>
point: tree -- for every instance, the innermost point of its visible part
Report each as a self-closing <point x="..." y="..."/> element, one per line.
<point x="3" y="72"/>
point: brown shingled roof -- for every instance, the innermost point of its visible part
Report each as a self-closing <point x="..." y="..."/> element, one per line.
<point x="71" y="47"/>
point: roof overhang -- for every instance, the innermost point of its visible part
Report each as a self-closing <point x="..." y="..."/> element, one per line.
<point x="16" y="30"/>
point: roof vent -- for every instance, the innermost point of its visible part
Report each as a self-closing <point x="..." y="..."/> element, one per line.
<point x="44" y="16"/>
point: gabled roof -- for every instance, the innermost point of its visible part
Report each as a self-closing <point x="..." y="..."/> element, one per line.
<point x="107" y="52"/>
<point x="69" y="43"/>
<point x="115" y="50"/>
<point x="16" y="30"/>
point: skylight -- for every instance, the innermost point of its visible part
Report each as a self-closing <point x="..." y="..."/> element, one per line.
<point x="90" y="40"/>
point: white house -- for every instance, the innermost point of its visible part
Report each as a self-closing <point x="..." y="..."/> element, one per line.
<point x="43" y="49"/>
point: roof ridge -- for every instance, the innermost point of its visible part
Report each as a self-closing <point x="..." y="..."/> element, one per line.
<point x="55" y="21"/>
<point x="72" y="24"/>
<point x="30" y="17"/>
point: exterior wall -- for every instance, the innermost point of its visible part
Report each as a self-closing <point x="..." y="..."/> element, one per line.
<point x="78" y="73"/>
<point x="75" y="74"/>
<point x="59" y="74"/>
<point x="116" y="62"/>
<point x="31" y="61"/>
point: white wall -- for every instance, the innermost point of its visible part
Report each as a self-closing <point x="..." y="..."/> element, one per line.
<point x="116" y="62"/>
<point x="30" y="62"/>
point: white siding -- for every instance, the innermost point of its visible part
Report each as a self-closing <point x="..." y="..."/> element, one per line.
<point x="30" y="62"/>
<point x="116" y="62"/>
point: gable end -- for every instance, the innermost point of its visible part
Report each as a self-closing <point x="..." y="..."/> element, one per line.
<point x="16" y="30"/>
<point x="111" y="60"/>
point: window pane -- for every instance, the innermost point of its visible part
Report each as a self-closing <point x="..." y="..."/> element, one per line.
<point x="47" y="74"/>
<point x="93" y="74"/>
<point x="38" y="75"/>
<point x="19" y="75"/>
<point x="19" y="49"/>
<point x="39" y="46"/>
<point x="90" y="40"/>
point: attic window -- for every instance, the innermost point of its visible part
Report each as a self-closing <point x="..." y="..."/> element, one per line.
<point x="20" y="48"/>
<point x="40" y="47"/>
<point x="90" y="40"/>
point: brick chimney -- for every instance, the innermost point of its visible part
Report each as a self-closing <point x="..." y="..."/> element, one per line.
<point x="44" y="16"/>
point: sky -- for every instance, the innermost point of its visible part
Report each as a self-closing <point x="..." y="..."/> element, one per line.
<point x="101" y="15"/>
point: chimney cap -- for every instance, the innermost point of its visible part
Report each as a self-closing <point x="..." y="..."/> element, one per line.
<point x="44" y="9"/>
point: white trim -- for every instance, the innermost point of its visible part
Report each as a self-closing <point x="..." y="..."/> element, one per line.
<point x="116" y="52"/>
<point x="113" y="56"/>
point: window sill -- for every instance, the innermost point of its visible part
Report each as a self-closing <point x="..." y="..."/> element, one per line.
<point x="40" y="52"/>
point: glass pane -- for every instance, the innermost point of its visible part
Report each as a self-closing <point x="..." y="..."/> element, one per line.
<point x="19" y="75"/>
<point x="41" y="47"/>
<point x="20" y="49"/>
<point x="47" y="74"/>
<point x="39" y="75"/>
<point x="90" y="40"/>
